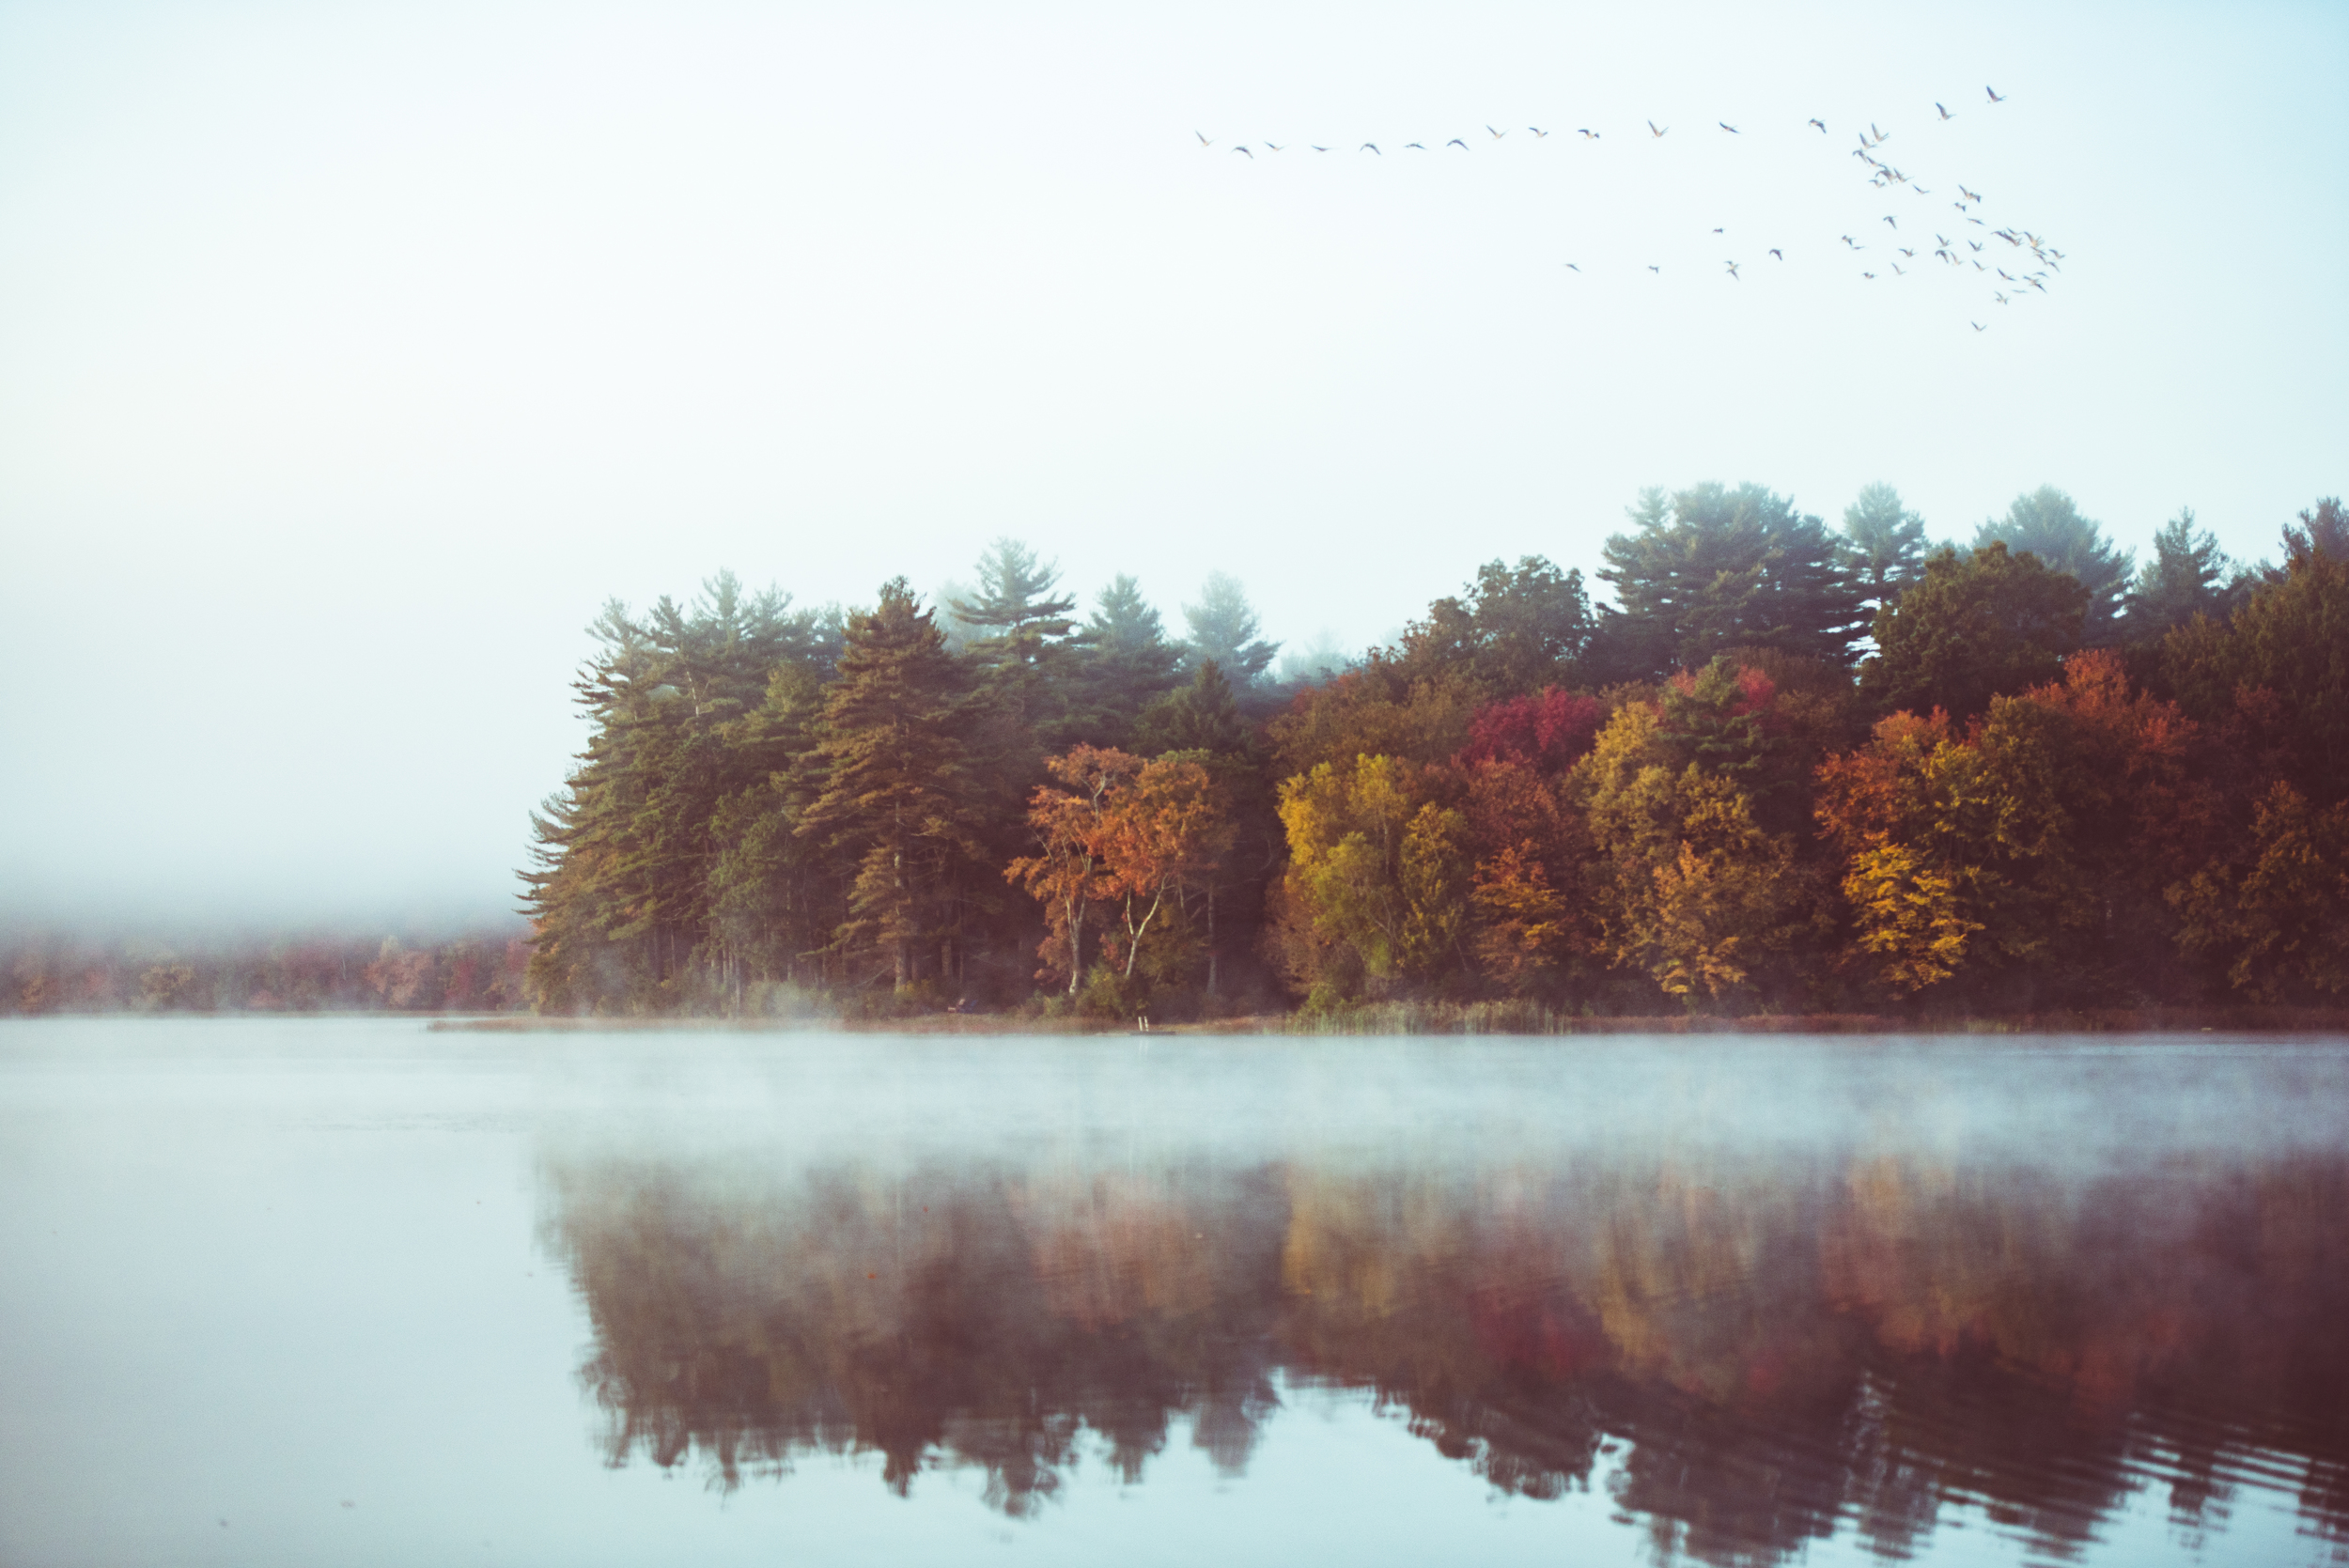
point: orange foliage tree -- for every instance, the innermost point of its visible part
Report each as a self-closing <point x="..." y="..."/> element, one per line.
<point x="1125" y="833"/>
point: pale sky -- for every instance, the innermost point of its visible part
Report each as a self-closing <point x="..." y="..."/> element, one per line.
<point x="350" y="356"/>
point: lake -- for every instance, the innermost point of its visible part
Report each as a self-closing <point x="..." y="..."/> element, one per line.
<point x="347" y="1291"/>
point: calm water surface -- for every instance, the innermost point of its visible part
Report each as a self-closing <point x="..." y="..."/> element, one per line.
<point x="345" y="1291"/>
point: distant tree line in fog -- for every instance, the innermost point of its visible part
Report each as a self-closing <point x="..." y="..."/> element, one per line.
<point x="57" y="974"/>
<point x="1789" y="767"/>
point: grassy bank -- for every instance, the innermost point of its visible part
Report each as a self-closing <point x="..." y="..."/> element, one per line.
<point x="1479" y="1019"/>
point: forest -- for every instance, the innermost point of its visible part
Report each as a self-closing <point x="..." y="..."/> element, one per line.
<point x="1775" y="766"/>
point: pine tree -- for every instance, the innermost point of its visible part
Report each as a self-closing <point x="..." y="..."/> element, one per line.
<point x="1124" y="663"/>
<point x="1018" y="621"/>
<point x="2188" y="575"/>
<point x="902" y="801"/>
<point x="2048" y="524"/>
<point x="1712" y="568"/>
<point x="1883" y="545"/>
<point x="2322" y="527"/>
<point x="620" y="893"/>
<point x="1201" y="717"/>
<point x="1223" y="631"/>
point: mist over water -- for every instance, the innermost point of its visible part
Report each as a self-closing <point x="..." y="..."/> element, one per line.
<point x="600" y="1297"/>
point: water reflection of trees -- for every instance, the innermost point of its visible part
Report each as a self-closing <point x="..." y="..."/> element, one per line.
<point x="1782" y="1354"/>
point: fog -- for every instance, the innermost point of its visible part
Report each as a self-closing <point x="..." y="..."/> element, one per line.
<point x="351" y="358"/>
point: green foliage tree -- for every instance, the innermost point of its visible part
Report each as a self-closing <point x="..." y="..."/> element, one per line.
<point x="1203" y="716"/>
<point x="902" y="801"/>
<point x="2187" y="575"/>
<point x="775" y="896"/>
<point x="1124" y="663"/>
<point x="1976" y="625"/>
<point x="2047" y="523"/>
<point x="2278" y="919"/>
<point x="1223" y="628"/>
<point x="1020" y="629"/>
<point x="619" y="892"/>
<point x="1513" y="630"/>
<point x="1883" y="547"/>
<point x="2277" y="673"/>
<point x="1710" y="569"/>
<point x="2322" y="527"/>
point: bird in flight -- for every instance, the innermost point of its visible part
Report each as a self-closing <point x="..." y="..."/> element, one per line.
<point x="1870" y="276"/>
<point x="1537" y="131"/>
<point x="1318" y="148"/>
<point x="1276" y="146"/>
<point x="1854" y="243"/>
<point x="1732" y="272"/>
<point x="1907" y="252"/>
<point x="1781" y="254"/>
<point x="1945" y="114"/>
<point x="1370" y="146"/>
<point x="1587" y="131"/>
<point x="1571" y="268"/>
<point x="1821" y="124"/>
<point x="1422" y="145"/>
<point x="1203" y="138"/>
<point x="1731" y="129"/>
<point x="1977" y="326"/>
<point x="1970" y="195"/>
<point x="1881" y="137"/>
<point x="1888" y="218"/>
<point x="1996" y="96"/>
<point x="1496" y="135"/>
<point x="1717" y="231"/>
<point x="1457" y="142"/>
<point x="1659" y="130"/>
<point x="1251" y="157"/>
<point x="1658" y="270"/>
<point x="1896" y="271"/>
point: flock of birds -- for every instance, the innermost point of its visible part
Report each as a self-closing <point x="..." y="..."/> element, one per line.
<point x="1962" y="250"/>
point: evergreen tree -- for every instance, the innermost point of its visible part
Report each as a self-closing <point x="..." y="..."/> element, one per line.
<point x="1201" y="717"/>
<point x="1711" y="568"/>
<point x="1977" y="626"/>
<point x="1883" y="546"/>
<point x="775" y="897"/>
<point x="1124" y="663"/>
<point x="620" y="892"/>
<point x="1223" y="631"/>
<point x="2323" y="526"/>
<point x="902" y="801"/>
<point x="1020" y="629"/>
<point x="2275" y="677"/>
<point x="2046" y="524"/>
<point x="2188" y="575"/>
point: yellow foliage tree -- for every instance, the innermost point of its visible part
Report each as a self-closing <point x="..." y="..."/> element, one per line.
<point x="1374" y="866"/>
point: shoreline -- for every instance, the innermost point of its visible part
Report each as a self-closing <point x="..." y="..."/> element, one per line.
<point x="2246" y="1020"/>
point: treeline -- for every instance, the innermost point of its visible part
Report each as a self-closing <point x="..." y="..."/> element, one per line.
<point x="1790" y="767"/>
<point x="468" y="975"/>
